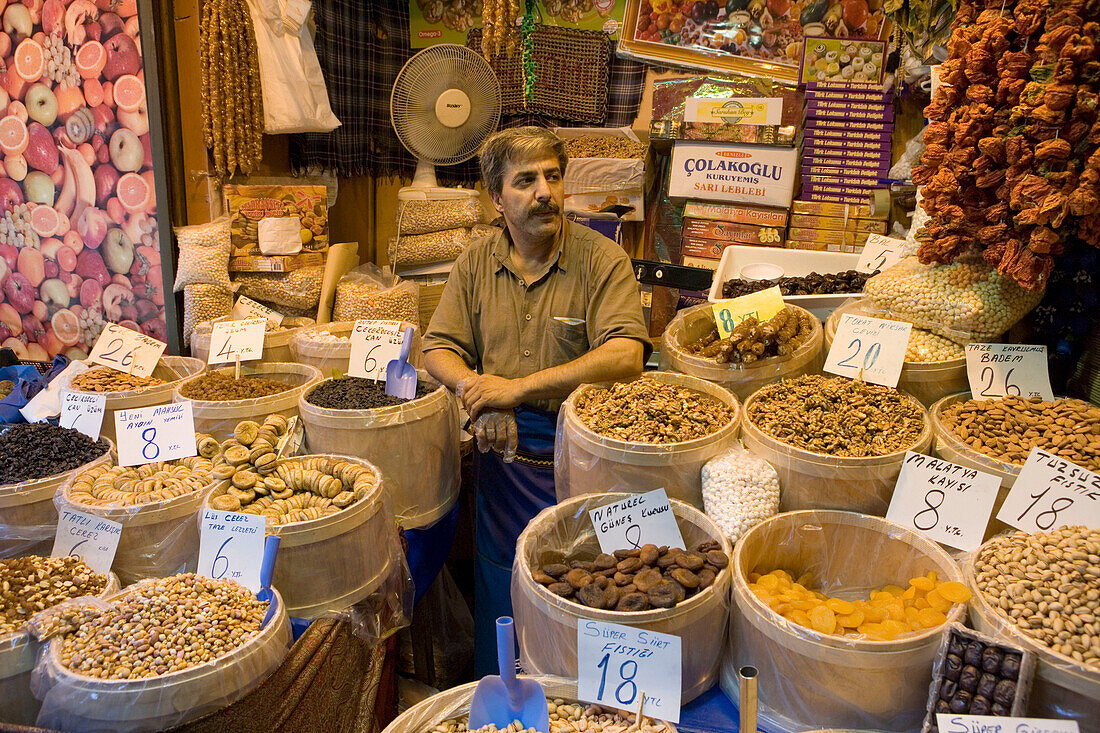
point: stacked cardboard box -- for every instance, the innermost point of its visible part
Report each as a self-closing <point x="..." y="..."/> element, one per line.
<point x="708" y="228"/>
<point x="832" y="227"/>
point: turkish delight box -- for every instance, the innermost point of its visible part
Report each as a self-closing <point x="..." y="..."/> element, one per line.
<point x="728" y="231"/>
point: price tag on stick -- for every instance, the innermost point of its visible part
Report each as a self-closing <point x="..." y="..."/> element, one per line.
<point x="879" y="253"/>
<point x="616" y="664"/>
<point x="871" y="349"/>
<point x="642" y="519"/>
<point x="237" y="341"/>
<point x="231" y="545"/>
<point x="158" y="433"/>
<point x="374" y="344"/>
<point x="126" y="350"/>
<point x="761" y="305"/>
<point x="246" y="308"/>
<point x="946" y="502"/>
<point x="87" y="536"/>
<point x="1051" y="492"/>
<point x="83" y="411"/>
<point x="996" y="370"/>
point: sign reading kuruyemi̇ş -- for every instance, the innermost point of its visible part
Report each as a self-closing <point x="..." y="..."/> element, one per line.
<point x="723" y="172"/>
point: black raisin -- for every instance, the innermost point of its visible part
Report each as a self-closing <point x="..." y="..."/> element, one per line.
<point x="999" y="709"/>
<point x="948" y="689"/>
<point x="952" y="666"/>
<point x="986" y="685"/>
<point x="37" y="450"/>
<point x="1005" y="692"/>
<point x="973" y="654"/>
<point x="957" y="645"/>
<point x="1010" y="666"/>
<point x="980" y="705"/>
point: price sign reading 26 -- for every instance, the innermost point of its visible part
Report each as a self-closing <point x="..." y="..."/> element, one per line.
<point x="1000" y="370"/>
<point x="871" y="349"/>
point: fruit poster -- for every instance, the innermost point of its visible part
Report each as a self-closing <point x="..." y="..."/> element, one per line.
<point x="78" y="232"/>
<point x="448" y="21"/>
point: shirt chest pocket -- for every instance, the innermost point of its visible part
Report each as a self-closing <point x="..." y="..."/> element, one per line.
<point x="564" y="340"/>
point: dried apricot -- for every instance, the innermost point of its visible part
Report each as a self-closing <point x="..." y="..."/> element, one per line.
<point x="823" y="620"/>
<point x="840" y="606"/>
<point x="954" y="591"/>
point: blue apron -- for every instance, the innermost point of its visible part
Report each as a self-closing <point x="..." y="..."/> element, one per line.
<point x="509" y="495"/>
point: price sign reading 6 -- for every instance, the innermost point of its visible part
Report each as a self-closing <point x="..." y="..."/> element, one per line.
<point x="92" y="538"/>
<point x="215" y="572"/>
<point x="616" y="664"/>
<point x="231" y="545"/>
<point x="374" y="344"/>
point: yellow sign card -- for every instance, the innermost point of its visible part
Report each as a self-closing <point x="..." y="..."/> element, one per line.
<point x="761" y="305"/>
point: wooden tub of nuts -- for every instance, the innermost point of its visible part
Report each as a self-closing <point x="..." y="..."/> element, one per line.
<point x="934" y="366"/>
<point x="996" y="435"/>
<point x="276" y="340"/>
<point x="449" y="711"/>
<point x="155" y="503"/>
<point x="219" y="650"/>
<point x="804" y="428"/>
<point x="844" y="661"/>
<point x="755" y="355"/>
<point x="32" y="580"/>
<point x="1042" y="591"/>
<point x="339" y="538"/>
<point x="220" y="401"/>
<point x="327" y="346"/>
<point x="653" y="432"/>
<point x="28" y="517"/>
<point x="686" y="593"/>
<point x="126" y="392"/>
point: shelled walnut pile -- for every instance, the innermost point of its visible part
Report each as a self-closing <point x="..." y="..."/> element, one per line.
<point x="1012" y="166"/>
<point x="649" y="411"/>
<point x="750" y="341"/>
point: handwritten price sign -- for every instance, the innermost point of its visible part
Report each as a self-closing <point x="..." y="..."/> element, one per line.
<point x="880" y="253"/>
<point x="997" y="370"/>
<point x="87" y="536"/>
<point x="158" y="433"/>
<point x="642" y="519"/>
<point x="231" y="545"/>
<point x="871" y="349"/>
<point x="83" y="411"/>
<point x="246" y="308"/>
<point x="616" y="664"/>
<point x="761" y="305"/>
<point x="374" y="344"/>
<point x="232" y="340"/>
<point x="948" y="503"/>
<point x="126" y="350"/>
<point x="1052" y="492"/>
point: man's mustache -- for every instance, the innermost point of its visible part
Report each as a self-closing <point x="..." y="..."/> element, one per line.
<point x="548" y="207"/>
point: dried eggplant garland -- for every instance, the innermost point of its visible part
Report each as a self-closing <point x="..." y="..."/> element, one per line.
<point x="232" y="102"/>
<point x="1012" y="165"/>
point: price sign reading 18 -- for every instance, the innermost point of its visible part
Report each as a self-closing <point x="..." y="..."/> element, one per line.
<point x="126" y="350"/>
<point x="616" y="664"/>
<point x="158" y="433"/>
<point x="231" y="545"/>
<point x="232" y="340"/>
<point x="870" y="349"/>
<point x="1051" y="492"/>
<point x="374" y="344"/>
<point x="996" y="370"/>
<point x="761" y="305"/>
<point x="949" y="503"/>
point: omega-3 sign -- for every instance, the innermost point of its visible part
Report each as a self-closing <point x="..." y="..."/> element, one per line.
<point x="742" y="173"/>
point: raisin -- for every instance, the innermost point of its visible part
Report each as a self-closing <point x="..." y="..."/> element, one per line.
<point x="986" y="685"/>
<point x="1005" y="692"/>
<point x="1010" y="666"/>
<point x="968" y="679"/>
<point x="948" y="689"/>
<point x="973" y="654"/>
<point x="980" y="705"/>
<point x="952" y="666"/>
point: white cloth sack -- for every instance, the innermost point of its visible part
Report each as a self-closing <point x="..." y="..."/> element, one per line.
<point x="295" y="98"/>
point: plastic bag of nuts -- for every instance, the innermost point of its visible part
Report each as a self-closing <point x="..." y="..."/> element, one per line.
<point x="204" y="254"/>
<point x="298" y="289"/>
<point x="202" y="303"/>
<point x="424" y="249"/>
<point x="422" y="217"/>
<point x="367" y="293"/>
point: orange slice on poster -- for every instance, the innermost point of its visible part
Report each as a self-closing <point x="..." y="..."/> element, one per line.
<point x="45" y="220"/>
<point x="133" y="192"/>
<point x="129" y="93"/>
<point x="90" y="59"/>
<point x="30" y="60"/>
<point x="13" y="135"/>
<point x="66" y="326"/>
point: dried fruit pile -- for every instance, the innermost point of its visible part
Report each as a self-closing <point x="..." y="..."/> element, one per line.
<point x="1012" y="166"/>
<point x="752" y="341"/>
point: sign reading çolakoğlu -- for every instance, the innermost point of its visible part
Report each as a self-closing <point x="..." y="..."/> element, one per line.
<point x="724" y="172"/>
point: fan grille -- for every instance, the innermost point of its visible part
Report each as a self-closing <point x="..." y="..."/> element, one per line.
<point x="412" y="103"/>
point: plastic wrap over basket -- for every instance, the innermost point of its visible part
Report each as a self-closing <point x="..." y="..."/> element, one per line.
<point x="546" y="624"/>
<point x="328" y="346"/>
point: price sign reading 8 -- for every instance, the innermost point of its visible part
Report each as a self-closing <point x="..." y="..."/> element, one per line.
<point x="871" y="349"/>
<point x="1051" y="492"/>
<point x="616" y="664"/>
<point x="158" y="433"/>
<point x="761" y="305"/>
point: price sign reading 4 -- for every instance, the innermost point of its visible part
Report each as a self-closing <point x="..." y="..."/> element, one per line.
<point x="996" y="370"/>
<point x="126" y="350"/>
<point x="87" y="536"/>
<point x="233" y="340"/>
<point x="616" y="664"/>
<point x="158" y="433"/>
<point x="870" y="349"/>
<point x="374" y="344"/>
<point x="1051" y="492"/>
<point x="231" y="545"/>
<point x="760" y="305"/>
<point x="879" y="253"/>
<point x="641" y="519"/>
<point x="949" y="503"/>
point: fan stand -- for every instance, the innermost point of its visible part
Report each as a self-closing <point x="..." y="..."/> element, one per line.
<point x="424" y="177"/>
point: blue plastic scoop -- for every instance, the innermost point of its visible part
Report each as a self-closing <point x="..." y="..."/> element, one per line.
<point x="501" y="700"/>
<point x="267" y="572"/>
<point x="400" y="375"/>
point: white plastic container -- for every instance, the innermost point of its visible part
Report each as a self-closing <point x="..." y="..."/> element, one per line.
<point x="809" y="679"/>
<point x="546" y="624"/>
<point x="306" y="346"/>
<point x="276" y="343"/>
<point x="415" y="445"/>
<point x="219" y="417"/>
<point x="588" y="463"/>
<point x="72" y="701"/>
<point x="693" y="323"/>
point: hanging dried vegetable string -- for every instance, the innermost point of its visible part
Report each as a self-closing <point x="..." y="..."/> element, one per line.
<point x="231" y="95"/>
<point x="498" y="29"/>
<point x="527" y="30"/>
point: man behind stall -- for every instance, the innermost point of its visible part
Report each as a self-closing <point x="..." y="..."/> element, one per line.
<point x="527" y="315"/>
